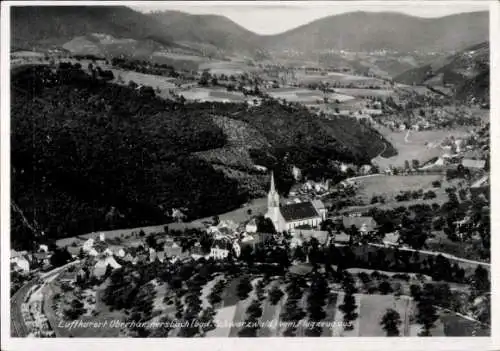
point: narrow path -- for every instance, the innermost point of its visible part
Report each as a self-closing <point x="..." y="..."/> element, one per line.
<point x="406" y="137"/>
<point x="436" y="253"/>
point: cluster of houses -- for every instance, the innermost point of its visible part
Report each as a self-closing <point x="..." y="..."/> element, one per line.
<point x="24" y="261"/>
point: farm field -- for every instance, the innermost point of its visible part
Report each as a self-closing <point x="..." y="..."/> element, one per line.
<point x="258" y="206"/>
<point x="305" y="96"/>
<point x="392" y="185"/>
<point x="336" y="77"/>
<point x="412" y="145"/>
<point x="365" y="92"/>
<point x="226" y="67"/>
<point x="372" y="309"/>
<point x="183" y="57"/>
<point x="153" y="81"/>
<point x="454" y="325"/>
<point x="205" y="94"/>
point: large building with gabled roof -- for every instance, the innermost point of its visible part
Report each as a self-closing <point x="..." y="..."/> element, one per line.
<point x="293" y="215"/>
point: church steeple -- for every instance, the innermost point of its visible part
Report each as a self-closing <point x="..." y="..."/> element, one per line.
<point x="273" y="198"/>
<point x="272" y="189"/>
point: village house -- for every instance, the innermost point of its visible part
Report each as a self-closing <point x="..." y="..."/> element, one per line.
<point x="20" y="261"/>
<point x="300" y="236"/>
<point x="102" y="263"/>
<point x="365" y="225"/>
<point x="320" y="208"/>
<point x="42" y="259"/>
<point x="473" y="164"/>
<point x="221" y="247"/>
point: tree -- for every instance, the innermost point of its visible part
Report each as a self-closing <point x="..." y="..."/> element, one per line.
<point x="436" y="184"/>
<point x="299" y="254"/>
<point x="205" y="78"/>
<point x="60" y="257"/>
<point x="427" y="314"/>
<point x="275" y="295"/>
<point x="407" y="165"/>
<point x="390" y="322"/>
<point x="265" y="225"/>
<point x="215" y="220"/>
<point x="385" y="287"/>
<point x="348" y="307"/>
<point x="480" y="281"/>
<point x="151" y="241"/>
<point x="207" y="320"/>
<point x="415" y="291"/>
<point x="132" y="84"/>
<point x="260" y="289"/>
<point x="244" y="287"/>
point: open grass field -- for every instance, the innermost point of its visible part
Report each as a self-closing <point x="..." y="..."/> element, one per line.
<point x="454" y="325"/>
<point x="372" y="309"/>
<point x="163" y="83"/>
<point x="415" y="145"/>
<point x="204" y="94"/>
<point x="392" y="185"/>
<point x="226" y="67"/>
<point x="258" y="206"/>
<point x="365" y="92"/>
<point x="178" y="56"/>
<point x="337" y="77"/>
<point x="306" y="96"/>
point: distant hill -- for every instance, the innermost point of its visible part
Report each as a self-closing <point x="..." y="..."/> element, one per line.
<point x="34" y="26"/>
<point x="218" y="31"/>
<point x="43" y="26"/>
<point x="364" y="31"/>
<point x="468" y="70"/>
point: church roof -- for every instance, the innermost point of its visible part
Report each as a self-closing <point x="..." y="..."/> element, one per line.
<point x="295" y="212"/>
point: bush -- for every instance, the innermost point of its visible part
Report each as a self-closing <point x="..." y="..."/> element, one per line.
<point x="385" y="288"/>
<point x="429" y="195"/>
<point x="436" y="184"/>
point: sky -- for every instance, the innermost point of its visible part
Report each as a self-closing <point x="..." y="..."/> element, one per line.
<point x="273" y="17"/>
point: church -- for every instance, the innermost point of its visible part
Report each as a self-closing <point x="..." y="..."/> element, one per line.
<point x="293" y="215"/>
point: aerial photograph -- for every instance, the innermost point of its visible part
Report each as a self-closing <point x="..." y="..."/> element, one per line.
<point x="249" y="170"/>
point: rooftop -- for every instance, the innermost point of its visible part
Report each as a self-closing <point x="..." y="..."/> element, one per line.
<point x="469" y="163"/>
<point x="295" y="212"/>
<point x="359" y="222"/>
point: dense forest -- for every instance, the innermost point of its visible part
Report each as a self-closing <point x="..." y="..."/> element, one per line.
<point x="88" y="155"/>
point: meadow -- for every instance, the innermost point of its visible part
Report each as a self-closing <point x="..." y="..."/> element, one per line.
<point x="392" y="185"/>
<point x="414" y="146"/>
<point x="358" y="92"/>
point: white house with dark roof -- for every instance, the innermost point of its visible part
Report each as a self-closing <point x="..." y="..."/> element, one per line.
<point x="19" y="260"/>
<point x="474" y="164"/>
<point x="365" y="225"/>
<point x="290" y="216"/>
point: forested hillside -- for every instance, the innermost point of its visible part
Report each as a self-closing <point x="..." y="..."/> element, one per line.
<point x="82" y="146"/>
